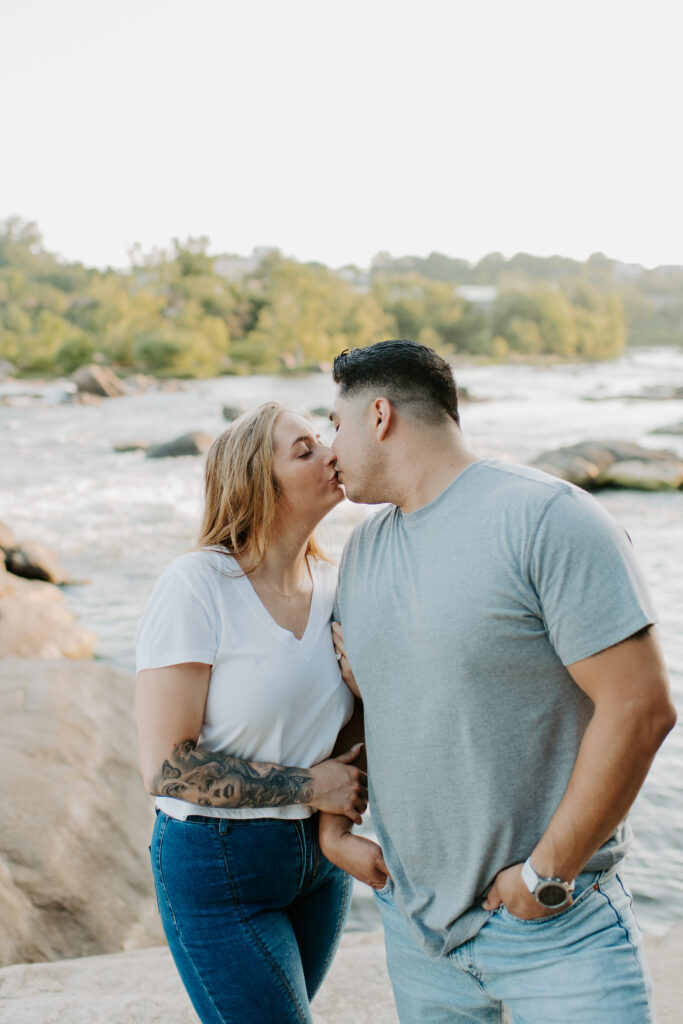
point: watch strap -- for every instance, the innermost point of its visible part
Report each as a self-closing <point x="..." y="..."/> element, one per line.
<point x="532" y="879"/>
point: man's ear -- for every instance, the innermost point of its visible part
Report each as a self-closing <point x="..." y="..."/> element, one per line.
<point x="383" y="417"/>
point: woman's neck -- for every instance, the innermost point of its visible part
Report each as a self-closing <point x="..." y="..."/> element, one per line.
<point x="284" y="569"/>
<point x="284" y="565"/>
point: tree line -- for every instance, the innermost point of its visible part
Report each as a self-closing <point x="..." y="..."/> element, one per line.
<point x="177" y="312"/>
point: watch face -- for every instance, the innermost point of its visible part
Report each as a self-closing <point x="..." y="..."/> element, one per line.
<point x="551" y="895"/>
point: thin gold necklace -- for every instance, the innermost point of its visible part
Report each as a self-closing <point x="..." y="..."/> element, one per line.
<point x="289" y="597"/>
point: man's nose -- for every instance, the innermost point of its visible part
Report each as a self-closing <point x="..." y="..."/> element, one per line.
<point x="329" y="455"/>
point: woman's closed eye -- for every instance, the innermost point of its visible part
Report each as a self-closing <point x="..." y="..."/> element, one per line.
<point x="308" y="446"/>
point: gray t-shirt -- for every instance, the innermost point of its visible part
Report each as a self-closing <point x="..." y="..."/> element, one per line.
<point x="459" y="620"/>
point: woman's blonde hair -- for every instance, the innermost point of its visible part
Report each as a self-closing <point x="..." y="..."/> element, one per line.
<point x="241" y="489"/>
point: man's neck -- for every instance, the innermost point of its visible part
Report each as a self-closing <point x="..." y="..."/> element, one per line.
<point x="429" y="472"/>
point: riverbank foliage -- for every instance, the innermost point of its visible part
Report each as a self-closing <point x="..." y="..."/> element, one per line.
<point x="185" y="312"/>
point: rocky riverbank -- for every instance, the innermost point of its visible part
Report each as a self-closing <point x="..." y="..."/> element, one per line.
<point x="74" y="877"/>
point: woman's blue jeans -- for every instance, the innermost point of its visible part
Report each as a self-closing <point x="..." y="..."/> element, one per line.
<point x="253" y="913"/>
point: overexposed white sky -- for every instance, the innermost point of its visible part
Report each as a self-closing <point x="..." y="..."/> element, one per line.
<point x="335" y="130"/>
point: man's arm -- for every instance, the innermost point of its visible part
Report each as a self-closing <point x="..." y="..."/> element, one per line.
<point x="633" y="713"/>
<point x="170" y="708"/>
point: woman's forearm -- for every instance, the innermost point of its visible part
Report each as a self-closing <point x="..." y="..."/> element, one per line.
<point x="212" y="779"/>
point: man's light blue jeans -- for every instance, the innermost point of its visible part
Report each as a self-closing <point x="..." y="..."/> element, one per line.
<point x="583" y="965"/>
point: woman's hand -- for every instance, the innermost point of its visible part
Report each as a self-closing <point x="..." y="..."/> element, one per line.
<point x="358" y="856"/>
<point x="339" y="787"/>
<point x="347" y="674"/>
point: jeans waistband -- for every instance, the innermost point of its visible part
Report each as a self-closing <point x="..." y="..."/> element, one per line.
<point x="224" y="824"/>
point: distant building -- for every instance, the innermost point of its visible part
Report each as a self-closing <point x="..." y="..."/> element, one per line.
<point x="358" y="278"/>
<point x="236" y="267"/>
<point x="482" y="296"/>
<point x="626" y="271"/>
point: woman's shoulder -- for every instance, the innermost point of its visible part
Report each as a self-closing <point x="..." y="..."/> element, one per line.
<point x="203" y="564"/>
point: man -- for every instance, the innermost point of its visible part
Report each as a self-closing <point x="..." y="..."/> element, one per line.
<point x="514" y="693"/>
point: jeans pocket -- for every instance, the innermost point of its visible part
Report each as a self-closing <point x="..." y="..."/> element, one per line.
<point x="385" y="891"/>
<point x="548" y="919"/>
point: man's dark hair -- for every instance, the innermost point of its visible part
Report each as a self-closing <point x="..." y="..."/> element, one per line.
<point x="407" y="373"/>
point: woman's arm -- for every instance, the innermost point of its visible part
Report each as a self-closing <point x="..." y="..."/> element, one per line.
<point x="344" y="666"/>
<point x="361" y="857"/>
<point x="170" y="709"/>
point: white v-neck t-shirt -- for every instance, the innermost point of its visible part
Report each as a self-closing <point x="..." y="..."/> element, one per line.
<point x="271" y="697"/>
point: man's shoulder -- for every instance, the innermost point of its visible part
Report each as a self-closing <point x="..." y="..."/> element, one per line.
<point x="373" y="523"/>
<point x="365" y="533"/>
<point x="526" y="479"/>
<point x="539" y="497"/>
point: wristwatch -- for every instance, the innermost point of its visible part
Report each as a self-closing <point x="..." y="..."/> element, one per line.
<point x="549" y="892"/>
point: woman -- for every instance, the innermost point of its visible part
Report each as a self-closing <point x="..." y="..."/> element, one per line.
<point x="238" y="682"/>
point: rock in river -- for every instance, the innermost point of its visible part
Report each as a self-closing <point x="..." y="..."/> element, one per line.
<point x="640" y="475"/>
<point x="592" y="464"/>
<point x="34" y="561"/>
<point x="231" y="412"/>
<point x="194" y="443"/>
<point x="673" y="428"/>
<point x="99" y="380"/>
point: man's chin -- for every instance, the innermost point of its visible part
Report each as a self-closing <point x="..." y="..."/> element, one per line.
<point x="355" y="496"/>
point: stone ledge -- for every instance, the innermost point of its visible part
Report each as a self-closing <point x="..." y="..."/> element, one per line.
<point x="142" y="987"/>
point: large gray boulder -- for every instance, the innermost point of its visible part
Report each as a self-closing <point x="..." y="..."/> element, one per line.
<point x="592" y="464"/>
<point x="74" y="873"/>
<point x="194" y="443"/>
<point x="568" y="466"/>
<point x="36" y="623"/>
<point x="98" y="380"/>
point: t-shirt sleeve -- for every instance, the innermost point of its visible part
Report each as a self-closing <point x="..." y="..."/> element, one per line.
<point x="179" y="623"/>
<point x="590" y="589"/>
<point x="343" y="561"/>
<point x="336" y="614"/>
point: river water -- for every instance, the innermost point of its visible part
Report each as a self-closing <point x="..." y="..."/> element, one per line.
<point x="118" y="519"/>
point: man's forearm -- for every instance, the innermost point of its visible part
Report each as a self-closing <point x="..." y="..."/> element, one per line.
<point x="614" y="757"/>
<point x="213" y="779"/>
